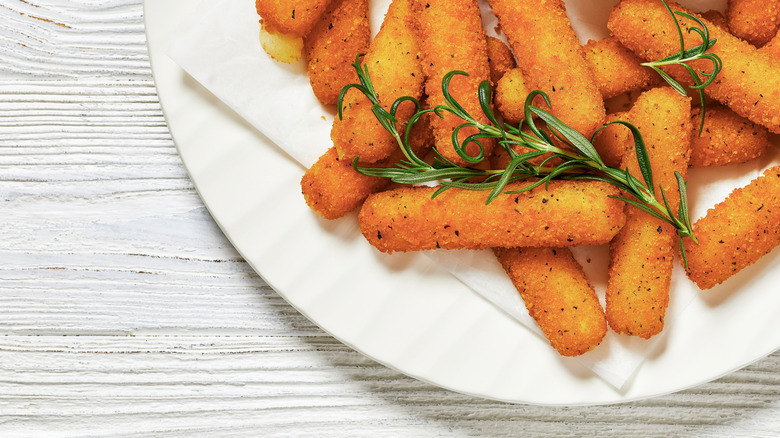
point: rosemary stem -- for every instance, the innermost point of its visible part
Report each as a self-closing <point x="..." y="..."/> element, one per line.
<point x="538" y="146"/>
<point x="665" y="63"/>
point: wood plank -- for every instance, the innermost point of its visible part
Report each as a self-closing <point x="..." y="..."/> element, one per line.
<point x="316" y="384"/>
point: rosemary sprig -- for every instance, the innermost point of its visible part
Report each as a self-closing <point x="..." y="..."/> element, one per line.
<point x="686" y="55"/>
<point x="579" y="160"/>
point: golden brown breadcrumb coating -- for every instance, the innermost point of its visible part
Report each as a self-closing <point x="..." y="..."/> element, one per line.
<point x="569" y="213"/>
<point x="640" y="273"/>
<point x="755" y="21"/>
<point x="772" y="48"/>
<point x="616" y="69"/>
<point x="452" y="38"/>
<point x="727" y="138"/>
<point x="333" y="188"/>
<point x="715" y="17"/>
<point x="642" y="253"/>
<point x="500" y="59"/>
<point x="332" y="45"/>
<point x="736" y="232"/>
<point x="395" y="72"/>
<point x="748" y="82"/>
<point x="293" y="17"/>
<point x="511" y="93"/>
<point x="558" y="296"/>
<point x="552" y="59"/>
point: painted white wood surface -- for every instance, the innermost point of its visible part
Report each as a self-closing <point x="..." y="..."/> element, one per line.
<point x="124" y="311"/>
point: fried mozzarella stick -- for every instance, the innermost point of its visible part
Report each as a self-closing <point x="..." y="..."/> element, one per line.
<point x="340" y="34"/>
<point x="500" y="59"/>
<point x="284" y="24"/>
<point x="558" y="296"/>
<point x="395" y="72"/>
<point x="333" y="188"/>
<point x="452" y="38"/>
<point x="568" y="213"/>
<point x="511" y="93"/>
<point x="748" y="81"/>
<point x="616" y="69"/>
<point x="755" y="21"/>
<point x="726" y="139"/>
<point x="642" y="253"/>
<point x="292" y="17"/>
<point x="552" y="59"/>
<point x="508" y="84"/>
<point x="737" y="232"/>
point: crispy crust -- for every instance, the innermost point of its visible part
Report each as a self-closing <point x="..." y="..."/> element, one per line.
<point x="332" y="45"/>
<point x="640" y="273"/>
<point x="663" y="117"/>
<point x="511" y="93"/>
<point x="727" y="138"/>
<point x="772" y="48"/>
<point x="755" y="21"/>
<point x="642" y="253"/>
<point x="736" y="232"/>
<point x="569" y="213"/>
<point x="715" y="17"/>
<point x="748" y="82"/>
<point x="333" y="188"/>
<point x="616" y="69"/>
<point x="500" y="59"/>
<point x="552" y="59"/>
<point x="558" y="296"/>
<point x="293" y="17"/>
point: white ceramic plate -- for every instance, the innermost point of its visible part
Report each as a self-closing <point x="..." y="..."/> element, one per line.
<point x="403" y="310"/>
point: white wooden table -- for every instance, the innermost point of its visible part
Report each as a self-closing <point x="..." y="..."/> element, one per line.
<point x="124" y="310"/>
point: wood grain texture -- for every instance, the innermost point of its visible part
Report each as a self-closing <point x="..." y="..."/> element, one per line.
<point x="125" y="312"/>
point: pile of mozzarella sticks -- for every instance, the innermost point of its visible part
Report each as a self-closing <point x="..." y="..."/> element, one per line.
<point x="420" y="41"/>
